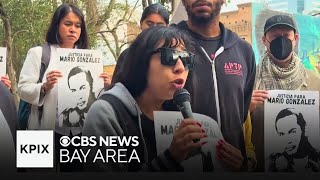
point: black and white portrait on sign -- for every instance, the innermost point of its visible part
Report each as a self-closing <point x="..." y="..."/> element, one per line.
<point x="80" y="85"/>
<point x="3" y="57"/>
<point x="292" y="137"/>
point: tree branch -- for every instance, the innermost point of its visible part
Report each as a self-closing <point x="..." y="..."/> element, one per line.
<point x="144" y="4"/>
<point x="107" y="13"/>
<point x="133" y="9"/>
<point x="105" y="31"/>
<point x="8" y="43"/>
<point x="108" y="45"/>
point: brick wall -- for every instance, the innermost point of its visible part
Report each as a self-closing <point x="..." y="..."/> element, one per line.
<point x="239" y="21"/>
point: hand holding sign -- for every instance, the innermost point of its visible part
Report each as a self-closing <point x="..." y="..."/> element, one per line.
<point x="258" y="97"/>
<point x="229" y="156"/>
<point x="106" y="79"/>
<point x="176" y="133"/>
<point x="6" y="81"/>
<point x="3" y="57"/>
<point x="52" y="79"/>
<point x="182" y="143"/>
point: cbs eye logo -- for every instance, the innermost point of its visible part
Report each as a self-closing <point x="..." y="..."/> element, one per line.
<point x="78" y="141"/>
<point x="65" y="141"/>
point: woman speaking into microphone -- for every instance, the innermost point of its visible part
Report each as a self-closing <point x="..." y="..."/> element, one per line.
<point x="158" y="64"/>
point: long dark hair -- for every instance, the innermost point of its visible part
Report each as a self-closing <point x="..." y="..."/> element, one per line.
<point x="136" y="66"/>
<point x="52" y="36"/>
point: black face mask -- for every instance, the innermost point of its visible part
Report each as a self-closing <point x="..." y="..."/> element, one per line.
<point x="281" y="47"/>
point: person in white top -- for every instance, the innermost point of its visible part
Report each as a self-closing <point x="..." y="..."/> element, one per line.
<point x="67" y="30"/>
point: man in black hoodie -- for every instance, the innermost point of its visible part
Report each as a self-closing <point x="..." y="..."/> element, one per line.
<point x="222" y="81"/>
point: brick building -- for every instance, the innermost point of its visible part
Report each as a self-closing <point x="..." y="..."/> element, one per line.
<point x="239" y="21"/>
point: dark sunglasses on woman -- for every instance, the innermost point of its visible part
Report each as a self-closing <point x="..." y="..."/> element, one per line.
<point x="169" y="57"/>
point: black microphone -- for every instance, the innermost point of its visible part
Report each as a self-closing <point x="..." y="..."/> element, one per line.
<point x="181" y="98"/>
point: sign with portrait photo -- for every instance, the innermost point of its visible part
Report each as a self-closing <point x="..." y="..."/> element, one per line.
<point x="292" y="131"/>
<point x="3" y="57"/>
<point x="80" y="85"/>
<point x="202" y="160"/>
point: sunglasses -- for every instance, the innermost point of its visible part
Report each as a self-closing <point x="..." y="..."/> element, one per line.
<point x="169" y="57"/>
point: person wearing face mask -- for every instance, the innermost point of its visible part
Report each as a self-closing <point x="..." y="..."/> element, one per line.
<point x="279" y="69"/>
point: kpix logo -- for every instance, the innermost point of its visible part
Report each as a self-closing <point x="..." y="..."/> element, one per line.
<point x="30" y="148"/>
<point x="35" y="149"/>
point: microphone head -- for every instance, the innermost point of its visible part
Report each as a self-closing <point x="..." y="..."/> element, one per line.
<point x="180" y="96"/>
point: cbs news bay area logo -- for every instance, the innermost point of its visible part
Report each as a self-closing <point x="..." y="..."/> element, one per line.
<point x="37" y="149"/>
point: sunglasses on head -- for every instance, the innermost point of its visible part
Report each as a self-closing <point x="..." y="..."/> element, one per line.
<point x="169" y="57"/>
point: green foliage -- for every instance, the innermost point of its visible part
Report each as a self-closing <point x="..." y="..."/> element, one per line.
<point x="30" y="19"/>
<point x="29" y="22"/>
